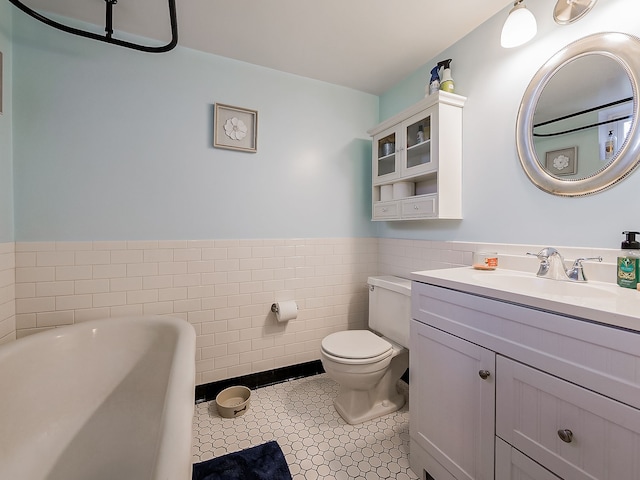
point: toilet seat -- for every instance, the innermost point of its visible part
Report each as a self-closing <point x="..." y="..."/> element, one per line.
<point x="356" y="347"/>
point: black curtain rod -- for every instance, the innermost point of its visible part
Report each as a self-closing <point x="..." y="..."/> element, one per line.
<point x="589" y="110"/>
<point x="581" y="128"/>
<point x="109" y="28"/>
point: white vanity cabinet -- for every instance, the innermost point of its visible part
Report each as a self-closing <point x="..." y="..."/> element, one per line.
<point x="566" y="392"/>
<point x="417" y="161"/>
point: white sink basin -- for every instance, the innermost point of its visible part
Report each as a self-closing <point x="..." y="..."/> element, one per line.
<point x="601" y="302"/>
<point x="532" y="284"/>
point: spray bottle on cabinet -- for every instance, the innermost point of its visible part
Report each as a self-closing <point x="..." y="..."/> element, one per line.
<point x="434" y="83"/>
<point x="446" y="83"/>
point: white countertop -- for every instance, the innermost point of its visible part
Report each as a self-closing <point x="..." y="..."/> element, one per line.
<point x="601" y="302"/>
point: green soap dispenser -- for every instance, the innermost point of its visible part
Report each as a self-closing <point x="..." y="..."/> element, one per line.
<point x="629" y="261"/>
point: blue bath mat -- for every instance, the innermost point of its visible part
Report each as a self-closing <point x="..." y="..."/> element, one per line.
<point x="264" y="462"/>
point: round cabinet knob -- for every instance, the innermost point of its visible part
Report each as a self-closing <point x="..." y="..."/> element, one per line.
<point x="484" y="374"/>
<point x="415" y="207"/>
<point x="384" y="210"/>
<point x="565" y="435"/>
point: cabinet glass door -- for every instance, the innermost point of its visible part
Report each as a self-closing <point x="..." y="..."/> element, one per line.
<point x="418" y="144"/>
<point x="386" y="163"/>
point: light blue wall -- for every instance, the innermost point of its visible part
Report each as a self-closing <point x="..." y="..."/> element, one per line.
<point x="6" y="172"/>
<point x="116" y="144"/>
<point x="500" y="204"/>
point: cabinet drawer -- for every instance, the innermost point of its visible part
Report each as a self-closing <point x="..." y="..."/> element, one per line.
<point x="513" y="465"/>
<point x="386" y="210"/>
<point x="574" y="432"/>
<point x="422" y="206"/>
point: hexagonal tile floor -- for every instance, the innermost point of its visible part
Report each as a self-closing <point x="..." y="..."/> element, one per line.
<point x="316" y="441"/>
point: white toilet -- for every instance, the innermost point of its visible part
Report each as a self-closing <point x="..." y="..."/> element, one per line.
<point x="368" y="366"/>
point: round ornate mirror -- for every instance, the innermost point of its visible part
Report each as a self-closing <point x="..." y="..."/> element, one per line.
<point x="577" y="131"/>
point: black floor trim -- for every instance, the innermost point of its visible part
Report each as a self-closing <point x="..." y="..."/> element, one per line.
<point x="208" y="391"/>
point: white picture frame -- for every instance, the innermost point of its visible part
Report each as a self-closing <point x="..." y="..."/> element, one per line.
<point x="235" y="128"/>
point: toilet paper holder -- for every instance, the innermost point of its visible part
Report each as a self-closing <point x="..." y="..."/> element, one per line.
<point x="274" y="307"/>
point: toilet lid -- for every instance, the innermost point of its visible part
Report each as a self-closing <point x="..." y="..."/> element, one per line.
<point x="355" y="344"/>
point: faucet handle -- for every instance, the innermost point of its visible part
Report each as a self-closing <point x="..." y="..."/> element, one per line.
<point x="578" y="261"/>
<point x="576" y="272"/>
<point x="545" y="253"/>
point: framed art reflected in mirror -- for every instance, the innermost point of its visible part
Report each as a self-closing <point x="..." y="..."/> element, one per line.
<point x="563" y="161"/>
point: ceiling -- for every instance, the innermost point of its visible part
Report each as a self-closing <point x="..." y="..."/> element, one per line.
<point x="367" y="45"/>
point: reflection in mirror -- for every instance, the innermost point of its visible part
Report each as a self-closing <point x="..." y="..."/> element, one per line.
<point x="582" y="117"/>
<point x="576" y="132"/>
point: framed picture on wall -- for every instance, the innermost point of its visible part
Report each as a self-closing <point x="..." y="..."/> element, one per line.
<point x="563" y="161"/>
<point x="235" y="128"/>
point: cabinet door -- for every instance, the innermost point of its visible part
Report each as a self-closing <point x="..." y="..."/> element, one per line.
<point x="386" y="156"/>
<point x="452" y="405"/>
<point x="420" y="132"/>
<point x="572" y="431"/>
<point x="514" y="465"/>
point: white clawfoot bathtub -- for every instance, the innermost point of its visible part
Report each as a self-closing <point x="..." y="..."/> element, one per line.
<point x="100" y="400"/>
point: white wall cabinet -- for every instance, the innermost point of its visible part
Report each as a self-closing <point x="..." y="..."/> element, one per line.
<point x="566" y="392"/>
<point x="417" y="161"/>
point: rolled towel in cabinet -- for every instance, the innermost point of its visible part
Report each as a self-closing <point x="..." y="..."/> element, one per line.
<point x="403" y="190"/>
<point x="386" y="193"/>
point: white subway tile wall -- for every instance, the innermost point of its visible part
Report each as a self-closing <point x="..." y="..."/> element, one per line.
<point x="225" y="288"/>
<point x="7" y="293"/>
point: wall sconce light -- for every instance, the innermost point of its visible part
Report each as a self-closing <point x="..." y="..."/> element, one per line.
<point x="520" y="26"/>
<point x="569" y="11"/>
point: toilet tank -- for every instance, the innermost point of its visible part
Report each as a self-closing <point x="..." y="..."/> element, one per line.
<point x="390" y="307"/>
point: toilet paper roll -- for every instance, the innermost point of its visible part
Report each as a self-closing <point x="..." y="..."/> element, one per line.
<point x="286" y="310"/>
<point x="403" y="189"/>
<point x="386" y="193"/>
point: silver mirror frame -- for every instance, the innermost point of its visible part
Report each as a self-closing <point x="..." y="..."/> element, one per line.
<point x="621" y="47"/>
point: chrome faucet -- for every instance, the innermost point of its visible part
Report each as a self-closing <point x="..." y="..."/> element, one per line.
<point x="552" y="266"/>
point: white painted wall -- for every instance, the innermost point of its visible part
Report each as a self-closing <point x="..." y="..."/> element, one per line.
<point x="500" y="204"/>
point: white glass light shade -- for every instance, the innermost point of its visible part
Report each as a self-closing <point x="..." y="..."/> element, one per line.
<point x="519" y="28"/>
